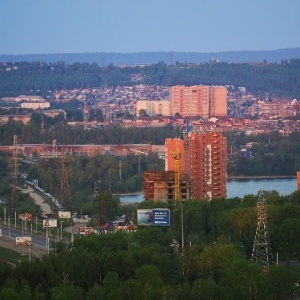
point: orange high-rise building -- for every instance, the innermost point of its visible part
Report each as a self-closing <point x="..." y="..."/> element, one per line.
<point x="198" y="100"/>
<point x="204" y="160"/>
<point x="298" y="180"/>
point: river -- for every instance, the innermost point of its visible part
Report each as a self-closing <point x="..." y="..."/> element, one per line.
<point x="240" y="188"/>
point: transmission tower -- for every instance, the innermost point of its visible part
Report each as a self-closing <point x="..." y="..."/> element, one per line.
<point x="64" y="182"/>
<point x="262" y="248"/>
<point x="14" y="171"/>
<point x="103" y="60"/>
<point x="171" y="57"/>
<point x="54" y="148"/>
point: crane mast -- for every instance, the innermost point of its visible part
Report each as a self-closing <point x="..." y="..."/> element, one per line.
<point x="176" y="156"/>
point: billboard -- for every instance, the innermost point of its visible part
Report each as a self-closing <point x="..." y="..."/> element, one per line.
<point x="26" y="216"/>
<point x="84" y="230"/>
<point x="153" y="217"/>
<point x="23" y="240"/>
<point x="64" y="214"/>
<point x="49" y="223"/>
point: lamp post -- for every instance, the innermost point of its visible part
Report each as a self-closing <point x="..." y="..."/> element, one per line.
<point x="61" y="230"/>
<point x="9" y="225"/>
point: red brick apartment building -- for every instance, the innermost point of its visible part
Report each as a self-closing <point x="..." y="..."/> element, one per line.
<point x="203" y="158"/>
<point x="198" y="100"/>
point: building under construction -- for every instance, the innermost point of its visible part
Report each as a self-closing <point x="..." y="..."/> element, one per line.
<point x="196" y="168"/>
<point x="160" y="186"/>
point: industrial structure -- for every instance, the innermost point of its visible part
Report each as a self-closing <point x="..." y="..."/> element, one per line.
<point x="198" y="100"/>
<point x="262" y="248"/>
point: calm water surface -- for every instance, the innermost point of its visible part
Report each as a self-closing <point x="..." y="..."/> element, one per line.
<point x="240" y="188"/>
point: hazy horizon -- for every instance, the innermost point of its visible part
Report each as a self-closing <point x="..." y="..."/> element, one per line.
<point x="129" y="26"/>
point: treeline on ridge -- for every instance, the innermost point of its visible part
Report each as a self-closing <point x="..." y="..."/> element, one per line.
<point x="280" y="79"/>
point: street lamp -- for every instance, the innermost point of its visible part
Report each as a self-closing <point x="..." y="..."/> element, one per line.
<point x="61" y="230"/>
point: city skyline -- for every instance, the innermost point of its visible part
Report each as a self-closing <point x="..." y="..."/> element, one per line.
<point x="35" y="27"/>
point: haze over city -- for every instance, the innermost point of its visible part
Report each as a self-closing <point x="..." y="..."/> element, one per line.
<point x="35" y="27"/>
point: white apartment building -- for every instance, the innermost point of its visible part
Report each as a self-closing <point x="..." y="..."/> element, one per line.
<point x="153" y="107"/>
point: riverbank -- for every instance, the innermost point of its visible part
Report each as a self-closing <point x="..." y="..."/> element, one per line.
<point x="260" y="177"/>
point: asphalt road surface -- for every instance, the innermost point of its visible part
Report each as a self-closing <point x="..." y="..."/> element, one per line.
<point x="10" y="243"/>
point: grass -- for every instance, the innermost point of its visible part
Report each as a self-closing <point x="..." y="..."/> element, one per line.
<point x="10" y="256"/>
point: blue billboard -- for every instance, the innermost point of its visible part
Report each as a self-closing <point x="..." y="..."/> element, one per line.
<point x="153" y="217"/>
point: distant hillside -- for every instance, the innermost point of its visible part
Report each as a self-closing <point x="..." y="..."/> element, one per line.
<point x="155" y="57"/>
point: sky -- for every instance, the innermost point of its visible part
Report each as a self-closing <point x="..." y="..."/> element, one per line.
<point x="130" y="26"/>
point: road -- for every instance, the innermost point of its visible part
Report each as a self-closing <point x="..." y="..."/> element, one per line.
<point x="10" y="243"/>
<point x="38" y="199"/>
<point x="39" y="245"/>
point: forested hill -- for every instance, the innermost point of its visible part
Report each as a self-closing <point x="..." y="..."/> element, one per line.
<point x="155" y="57"/>
<point x="277" y="79"/>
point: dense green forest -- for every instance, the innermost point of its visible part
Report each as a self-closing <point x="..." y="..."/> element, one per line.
<point x="57" y="129"/>
<point x="271" y="154"/>
<point x="280" y="79"/>
<point x="144" y="264"/>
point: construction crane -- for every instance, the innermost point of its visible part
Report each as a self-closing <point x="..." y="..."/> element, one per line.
<point x="176" y="156"/>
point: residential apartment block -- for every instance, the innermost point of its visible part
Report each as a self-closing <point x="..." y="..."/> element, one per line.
<point x="153" y="107"/>
<point x="199" y="100"/>
<point x="35" y="105"/>
<point x="203" y="159"/>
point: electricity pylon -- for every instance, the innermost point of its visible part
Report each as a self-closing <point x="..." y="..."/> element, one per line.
<point x="64" y="182"/>
<point x="262" y="248"/>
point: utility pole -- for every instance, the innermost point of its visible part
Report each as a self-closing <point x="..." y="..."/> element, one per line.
<point x="14" y="170"/>
<point x="262" y="248"/>
<point x="85" y="116"/>
<point x="14" y="174"/>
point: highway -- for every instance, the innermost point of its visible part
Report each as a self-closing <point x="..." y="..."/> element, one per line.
<point x="36" y="240"/>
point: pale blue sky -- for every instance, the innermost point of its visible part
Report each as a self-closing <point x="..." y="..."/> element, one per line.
<point x="75" y="26"/>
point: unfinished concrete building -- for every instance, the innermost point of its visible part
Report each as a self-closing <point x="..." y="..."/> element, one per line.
<point x="160" y="186"/>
